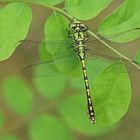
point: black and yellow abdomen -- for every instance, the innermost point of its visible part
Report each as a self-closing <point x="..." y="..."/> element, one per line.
<point x="90" y="108"/>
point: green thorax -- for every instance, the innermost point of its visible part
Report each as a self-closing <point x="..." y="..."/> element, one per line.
<point x="79" y="34"/>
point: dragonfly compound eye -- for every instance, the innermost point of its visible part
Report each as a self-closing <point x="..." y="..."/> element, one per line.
<point x="83" y="27"/>
<point x="73" y="28"/>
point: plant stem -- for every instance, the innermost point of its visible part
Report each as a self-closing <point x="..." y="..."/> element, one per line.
<point x="114" y="50"/>
<point x="61" y="11"/>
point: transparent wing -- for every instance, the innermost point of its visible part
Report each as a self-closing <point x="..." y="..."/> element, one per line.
<point x="100" y="60"/>
<point x="51" y="58"/>
<point x="68" y="41"/>
<point x="120" y="36"/>
<point x="48" y="42"/>
<point x="54" y="67"/>
<point x="41" y="62"/>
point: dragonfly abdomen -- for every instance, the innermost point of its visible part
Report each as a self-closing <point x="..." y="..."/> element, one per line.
<point x="89" y="99"/>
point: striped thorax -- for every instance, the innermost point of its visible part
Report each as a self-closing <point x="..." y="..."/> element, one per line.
<point x="79" y="37"/>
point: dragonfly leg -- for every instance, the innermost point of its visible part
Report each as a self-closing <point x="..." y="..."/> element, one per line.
<point x="86" y="35"/>
<point x="85" y="31"/>
<point x="86" y="28"/>
<point x="77" y="50"/>
<point x="86" y="49"/>
<point x="69" y="34"/>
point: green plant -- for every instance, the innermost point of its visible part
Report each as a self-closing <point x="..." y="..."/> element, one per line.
<point x="111" y="101"/>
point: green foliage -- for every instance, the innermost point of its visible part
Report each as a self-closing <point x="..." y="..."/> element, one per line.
<point x="48" y="127"/>
<point x="125" y="18"/>
<point x="85" y="9"/>
<point x="40" y="2"/>
<point x="112" y="94"/>
<point x="18" y="95"/>
<point x="8" y="137"/>
<point x="53" y="21"/>
<point x="111" y="89"/>
<point x="45" y="85"/>
<point x="15" y="19"/>
<point x="72" y="109"/>
<point x="45" y="2"/>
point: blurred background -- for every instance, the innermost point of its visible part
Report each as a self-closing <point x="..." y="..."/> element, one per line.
<point x="20" y="125"/>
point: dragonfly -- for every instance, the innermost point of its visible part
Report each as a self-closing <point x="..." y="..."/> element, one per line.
<point x="66" y="55"/>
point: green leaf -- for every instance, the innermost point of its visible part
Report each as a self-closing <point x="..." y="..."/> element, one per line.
<point x="15" y="19"/>
<point x="18" y="95"/>
<point x="77" y="81"/>
<point x="45" y="2"/>
<point x="138" y="56"/>
<point x="85" y="9"/>
<point x="73" y="110"/>
<point x="112" y="94"/>
<point x="48" y="127"/>
<point x="8" y="137"/>
<point x="1" y="119"/>
<point x="120" y="25"/>
<point x="56" y="31"/>
<point x="41" y="2"/>
<point x="50" y="86"/>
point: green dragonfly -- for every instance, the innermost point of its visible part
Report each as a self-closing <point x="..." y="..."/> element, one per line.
<point x="63" y="56"/>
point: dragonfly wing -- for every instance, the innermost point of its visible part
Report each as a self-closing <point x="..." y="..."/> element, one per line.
<point x="41" y="62"/>
<point x="101" y="60"/>
<point x="119" y="36"/>
<point x="54" y="67"/>
<point x="52" y="43"/>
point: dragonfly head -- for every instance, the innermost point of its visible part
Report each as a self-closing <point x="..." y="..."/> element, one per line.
<point x="77" y="26"/>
